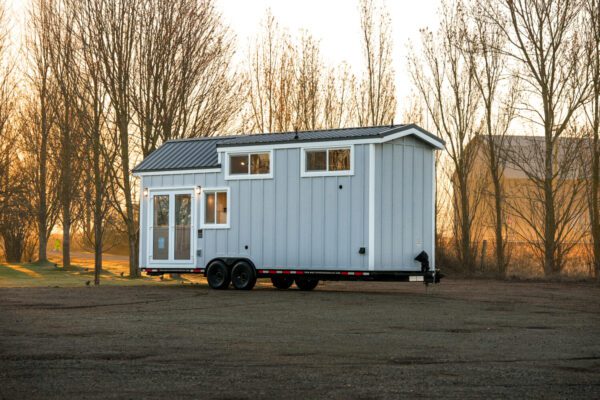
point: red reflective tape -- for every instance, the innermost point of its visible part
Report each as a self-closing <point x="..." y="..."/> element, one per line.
<point x="358" y="273"/>
<point x="299" y="272"/>
<point x="344" y="272"/>
<point x="286" y="272"/>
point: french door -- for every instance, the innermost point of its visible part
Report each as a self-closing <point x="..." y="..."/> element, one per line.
<point x="171" y="227"/>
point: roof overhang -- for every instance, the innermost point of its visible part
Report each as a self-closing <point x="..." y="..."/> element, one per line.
<point x="411" y="130"/>
<point x="177" y="171"/>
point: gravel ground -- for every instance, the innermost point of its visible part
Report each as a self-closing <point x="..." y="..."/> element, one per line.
<point x="460" y="339"/>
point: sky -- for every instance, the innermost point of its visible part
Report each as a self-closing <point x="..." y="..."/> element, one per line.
<point x="336" y="23"/>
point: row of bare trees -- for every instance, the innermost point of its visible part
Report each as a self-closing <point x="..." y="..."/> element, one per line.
<point x="106" y="82"/>
<point x="288" y="86"/>
<point x="495" y="67"/>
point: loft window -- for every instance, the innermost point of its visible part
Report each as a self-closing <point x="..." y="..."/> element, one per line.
<point x="250" y="165"/>
<point x="215" y="208"/>
<point x="335" y="161"/>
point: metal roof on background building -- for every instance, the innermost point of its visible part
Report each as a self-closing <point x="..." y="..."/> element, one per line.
<point x="201" y="153"/>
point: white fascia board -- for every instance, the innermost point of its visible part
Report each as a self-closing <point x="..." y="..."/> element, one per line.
<point x="178" y="172"/>
<point x="411" y="132"/>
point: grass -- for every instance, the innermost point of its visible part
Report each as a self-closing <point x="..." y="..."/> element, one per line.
<point x="81" y="273"/>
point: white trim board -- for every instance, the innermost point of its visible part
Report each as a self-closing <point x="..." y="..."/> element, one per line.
<point x="371" y="249"/>
<point x="311" y="174"/>
<point x="171" y="192"/>
<point x="225" y="189"/>
<point x="229" y="177"/>
<point x="178" y="172"/>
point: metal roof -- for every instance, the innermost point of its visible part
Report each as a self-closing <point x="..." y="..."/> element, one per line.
<point x="308" y="136"/>
<point x="201" y="153"/>
<point x="198" y="153"/>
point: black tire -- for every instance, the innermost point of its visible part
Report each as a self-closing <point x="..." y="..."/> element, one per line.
<point x="217" y="275"/>
<point x="282" y="282"/>
<point x="243" y="276"/>
<point x="306" y="284"/>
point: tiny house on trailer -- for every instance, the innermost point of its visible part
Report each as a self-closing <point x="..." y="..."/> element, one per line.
<point x="354" y="204"/>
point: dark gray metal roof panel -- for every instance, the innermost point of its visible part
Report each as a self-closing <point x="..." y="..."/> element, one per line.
<point x="308" y="136"/>
<point x="201" y="153"/>
<point x="183" y="154"/>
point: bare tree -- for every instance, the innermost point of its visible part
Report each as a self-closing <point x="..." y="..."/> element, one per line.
<point x="112" y="25"/>
<point x="446" y="81"/>
<point x="98" y="150"/>
<point x="66" y="73"/>
<point x="547" y="50"/>
<point x="591" y="12"/>
<point x="375" y="98"/>
<point x="486" y="50"/>
<point x="291" y="88"/>
<point x="183" y="85"/>
<point x="40" y="119"/>
<point x="308" y="81"/>
<point x="338" y="111"/>
<point x="270" y="75"/>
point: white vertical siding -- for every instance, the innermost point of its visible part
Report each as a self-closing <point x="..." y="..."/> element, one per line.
<point x="310" y="222"/>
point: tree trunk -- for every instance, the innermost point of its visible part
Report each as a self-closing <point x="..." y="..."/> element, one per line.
<point x="67" y="187"/>
<point x="500" y="258"/>
<point x="131" y="226"/>
<point x="595" y="199"/>
<point x="468" y="258"/>
<point x="13" y="248"/>
<point x="43" y="170"/>
<point x="550" y="265"/>
<point x="97" y="210"/>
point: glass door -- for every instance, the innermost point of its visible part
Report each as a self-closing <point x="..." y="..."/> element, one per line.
<point x="171" y="227"/>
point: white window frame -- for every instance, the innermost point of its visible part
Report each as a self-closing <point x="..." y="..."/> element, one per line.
<point x="307" y="174"/>
<point x="229" y="177"/>
<point x="171" y="192"/>
<point x="203" y="225"/>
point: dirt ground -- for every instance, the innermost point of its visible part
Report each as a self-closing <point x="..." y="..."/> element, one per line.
<point x="460" y="339"/>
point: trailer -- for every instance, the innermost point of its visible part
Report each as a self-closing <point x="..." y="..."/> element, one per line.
<point x="294" y="207"/>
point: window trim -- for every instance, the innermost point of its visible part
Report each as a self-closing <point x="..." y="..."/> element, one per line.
<point x="307" y="174"/>
<point x="203" y="225"/>
<point x="171" y="191"/>
<point x="230" y="177"/>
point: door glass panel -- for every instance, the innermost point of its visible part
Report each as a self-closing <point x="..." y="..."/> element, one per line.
<point x="160" y="240"/>
<point x="183" y="218"/>
<point x="209" y="208"/>
<point x="221" y="207"/>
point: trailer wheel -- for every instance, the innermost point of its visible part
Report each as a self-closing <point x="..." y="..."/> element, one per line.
<point x="243" y="276"/>
<point x="217" y="275"/>
<point x="306" y="284"/>
<point x="282" y="282"/>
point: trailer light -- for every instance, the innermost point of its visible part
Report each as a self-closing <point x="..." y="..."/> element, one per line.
<point x="145" y="192"/>
<point x="198" y="190"/>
